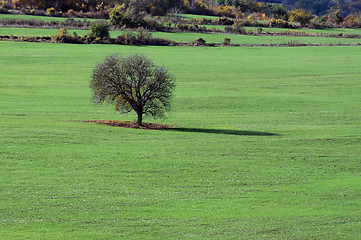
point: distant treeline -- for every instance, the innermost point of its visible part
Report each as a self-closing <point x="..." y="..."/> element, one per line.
<point x="318" y="7"/>
<point x="302" y="11"/>
<point x="210" y="7"/>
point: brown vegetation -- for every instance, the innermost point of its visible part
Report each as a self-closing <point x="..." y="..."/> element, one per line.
<point x="129" y="124"/>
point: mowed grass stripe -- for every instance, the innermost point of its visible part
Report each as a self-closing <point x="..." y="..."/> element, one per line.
<point x="44" y="18"/>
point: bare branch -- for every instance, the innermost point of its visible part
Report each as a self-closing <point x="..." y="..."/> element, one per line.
<point x="133" y="83"/>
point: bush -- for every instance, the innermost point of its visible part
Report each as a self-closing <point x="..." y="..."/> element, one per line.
<point x="51" y="11"/>
<point x="352" y="21"/>
<point x="161" y="42"/>
<point x="99" y="30"/>
<point x="128" y="38"/>
<point x="279" y="23"/>
<point x="3" y="10"/>
<point x="143" y="35"/>
<point x="102" y="14"/>
<point x="293" y="43"/>
<point x="70" y="13"/>
<point x="320" y="23"/>
<point x="181" y="27"/>
<point x="61" y="36"/>
<point x="120" y="17"/>
<point x="192" y="28"/>
<point x="70" y="22"/>
<point x="236" y="28"/>
<point x="201" y="21"/>
<point x="249" y="32"/>
<point x="226" y="41"/>
<point x="300" y="16"/>
<point x="64" y="37"/>
<point x="127" y="17"/>
<point x="224" y="21"/>
<point x="200" y="41"/>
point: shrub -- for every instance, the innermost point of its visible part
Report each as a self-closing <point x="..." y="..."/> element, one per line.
<point x="320" y="23"/>
<point x="226" y="41"/>
<point x="61" y="36"/>
<point x="249" y="32"/>
<point x="181" y="27"/>
<point x="143" y="35"/>
<point x="152" y="23"/>
<point x="293" y="43"/>
<point x="102" y="14"/>
<point x="352" y="21"/>
<point x="51" y="11"/>
<point x="192" y="28"/>
<point x="300" y="16"/>
<point x="224" y="21"/>
<point x="70" y="22"/>
<point x="116" y="15"/>
<point x="88" y="39"/>
<point x="201" y="21"/>
<point x="127" y="38"/>
<point x="236" y="28"/>
<point x="64" y="37"/>
<point x="99" y="30"/>
<point x="278" y="23"/>
<point x="200" y="41"/>
<point x="121" y="16"/>
<point x="130" y="37"/>
<point x="162" y="42"/>
<point x="70" y="13"/>
<point x="3" y="10"/>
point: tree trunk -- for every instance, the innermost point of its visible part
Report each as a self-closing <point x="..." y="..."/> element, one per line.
<point x="140" y="118"/>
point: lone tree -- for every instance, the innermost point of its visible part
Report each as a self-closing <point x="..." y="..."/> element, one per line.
<point x="133" y="83"/>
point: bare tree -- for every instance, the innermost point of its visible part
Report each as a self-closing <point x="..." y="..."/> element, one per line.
<point x="133" y="83"/>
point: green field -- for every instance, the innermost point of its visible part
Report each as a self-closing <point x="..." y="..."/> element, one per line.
<point x="250" y="39"/>
<point x="307" y="30"/>
<point x="312" y="31"/>
<point x="194" y="16"/>
<point x="189" y="37"/>
<point x="267" y="146"/>
<point x="42" y="18"/>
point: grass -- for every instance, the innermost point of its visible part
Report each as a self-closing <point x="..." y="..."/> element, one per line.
<point x="250" y="39"/>
<point x="311" y="31"/>
<point x="189" y="37"/>
<point x="218" y="27"/>
<point x="43" y="18"/>
<point x="36" y="32"/>
<point x="267" y="146"/>
<point x="195" y="16"/>
<point x="307" y="30"/>
<point x="47" y="18"/>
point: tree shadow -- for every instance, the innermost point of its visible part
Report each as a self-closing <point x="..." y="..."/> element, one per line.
<point x="223" y="131"/>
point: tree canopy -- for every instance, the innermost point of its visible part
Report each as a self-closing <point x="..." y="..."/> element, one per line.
<point x="133" y="83"/>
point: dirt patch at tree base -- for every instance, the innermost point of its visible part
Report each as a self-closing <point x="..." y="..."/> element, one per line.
<point x="128" y="124"/>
